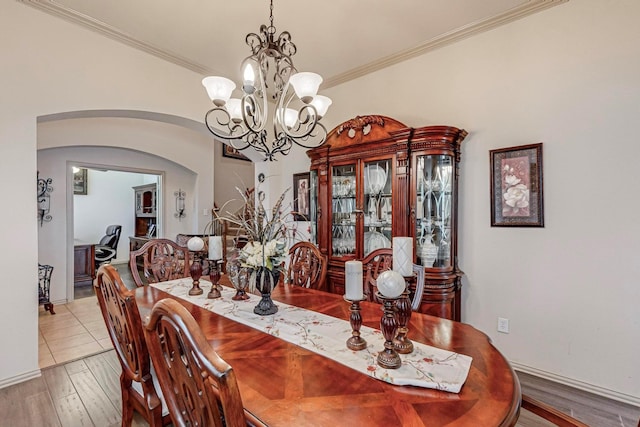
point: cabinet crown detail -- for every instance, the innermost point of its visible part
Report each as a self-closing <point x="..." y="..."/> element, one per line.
<point x="362" y="129"/>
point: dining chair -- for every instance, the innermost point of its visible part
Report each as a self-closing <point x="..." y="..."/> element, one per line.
<point x="199" y="386"/>
<point x="373" y="264"/>
<point x="307" y="266"/>
<point x="122" y="318"/>
<point x="549" y="413"/>
<point x="162" y="259"/>
<point x="381" y="260"/>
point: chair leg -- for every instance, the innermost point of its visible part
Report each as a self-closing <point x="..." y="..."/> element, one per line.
<point x="127" y="408"/>
<point x="49" y="307"/>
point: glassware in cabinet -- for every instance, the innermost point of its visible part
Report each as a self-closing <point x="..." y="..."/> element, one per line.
<point x="343" y="208"/>
<point x="434" y="196"/>
<point x="313" y="206"/>
<point x="378" y="205"/>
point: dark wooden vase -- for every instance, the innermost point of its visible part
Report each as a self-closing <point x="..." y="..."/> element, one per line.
<point x="265" y="281"/>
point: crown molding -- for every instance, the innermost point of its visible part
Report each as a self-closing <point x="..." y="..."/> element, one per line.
<point x="442" y="40"/>
<point x="527" y="8"/>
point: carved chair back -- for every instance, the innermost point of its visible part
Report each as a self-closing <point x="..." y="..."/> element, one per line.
<point x="373" y="264"/>
<point x="199" y="387"/>
<point x="122" y="318"/>
<point x="162" y="259"/>
<point x="381" y="260"/>
<point x="307" y="266"/>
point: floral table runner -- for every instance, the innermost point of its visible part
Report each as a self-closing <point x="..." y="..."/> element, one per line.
<point x="427" y="366"/>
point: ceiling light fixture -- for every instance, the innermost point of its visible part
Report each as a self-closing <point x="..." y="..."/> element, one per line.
<point x="299" y="109"/>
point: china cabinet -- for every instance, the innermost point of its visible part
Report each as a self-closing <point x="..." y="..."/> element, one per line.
<point x="376" y="178"/>
<point x="145" y="209"/>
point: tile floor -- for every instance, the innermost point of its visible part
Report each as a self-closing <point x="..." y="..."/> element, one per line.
<point x="76" y="330"/>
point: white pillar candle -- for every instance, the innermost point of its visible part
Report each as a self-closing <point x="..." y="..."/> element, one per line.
<point x="353" y="285"/>
<point x="215" y="247"/>
<point x="403" y="255"/>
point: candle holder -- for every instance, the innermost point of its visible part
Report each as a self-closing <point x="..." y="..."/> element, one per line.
<point x="214" y="276"/>
<point x="355" y="342"/>
<point x="196" y="273"/>
<point x="401" y="343"/>
<point x="389" y="357"/>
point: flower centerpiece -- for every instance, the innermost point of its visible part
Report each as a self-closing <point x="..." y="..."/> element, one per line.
<point x="265" y="252"/>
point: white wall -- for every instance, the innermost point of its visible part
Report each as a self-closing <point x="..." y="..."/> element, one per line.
<point x="567" y="77"/>
<point x="53" y="66"/>
<point x="231" y="174"/>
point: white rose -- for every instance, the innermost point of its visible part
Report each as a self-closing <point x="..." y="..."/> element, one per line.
<point x="516" y="198"/>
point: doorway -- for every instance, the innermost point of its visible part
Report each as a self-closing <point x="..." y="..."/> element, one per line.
<point x="109" y="197"/>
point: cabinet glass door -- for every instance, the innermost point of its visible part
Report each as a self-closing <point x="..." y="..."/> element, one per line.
<point x="378" y="205"/>
<point x="434" y="177"/>
<point x="313" y="206"/>
<point x="343" y="207"/>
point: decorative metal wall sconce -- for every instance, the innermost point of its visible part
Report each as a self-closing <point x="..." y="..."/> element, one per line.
<point x="180" y="196"/>
<point x="44" y="202"/>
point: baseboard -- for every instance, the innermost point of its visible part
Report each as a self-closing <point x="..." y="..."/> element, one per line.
<point x="580" y="385"/>
<point x="20" y="378"/>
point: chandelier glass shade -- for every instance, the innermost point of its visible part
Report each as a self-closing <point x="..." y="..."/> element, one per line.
<point x="268" y="73"/>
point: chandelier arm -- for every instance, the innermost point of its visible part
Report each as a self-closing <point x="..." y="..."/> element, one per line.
<point x="254" y="118"/>
<point x="230" y="135"/>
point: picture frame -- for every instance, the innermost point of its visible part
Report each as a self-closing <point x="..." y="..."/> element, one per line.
<point x="517" y="186"/>
<point x="80" y="182"/>
<point x="301" y="196"/>
<point x="232" y="153"/>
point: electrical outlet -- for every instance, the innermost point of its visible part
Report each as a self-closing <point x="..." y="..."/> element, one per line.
<point x="503" y="325"/>
<point x="205" y="212"/>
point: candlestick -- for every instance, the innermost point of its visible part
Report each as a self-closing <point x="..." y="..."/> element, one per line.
<point x="401" y="342"/>
<point x="196" y="273"/>
<point x="403" y="255"/>
<point x="353" y="281"/>
<point x="214" y="276"/>
<point x="355" y="342"/>
<point x="215" y="247"/>
<point x="195" y="245"/>
<point x="389" y="357"/>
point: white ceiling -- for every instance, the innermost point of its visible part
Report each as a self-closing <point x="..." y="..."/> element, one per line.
<point x="340" y="40"/>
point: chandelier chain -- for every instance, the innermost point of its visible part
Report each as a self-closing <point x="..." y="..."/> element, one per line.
<point x="271" y="14"/>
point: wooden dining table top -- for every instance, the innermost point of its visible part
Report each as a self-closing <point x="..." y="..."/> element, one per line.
<point x="285" y="385"/>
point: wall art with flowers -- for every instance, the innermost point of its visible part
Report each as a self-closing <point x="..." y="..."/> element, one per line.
<point x="516" y="186"/>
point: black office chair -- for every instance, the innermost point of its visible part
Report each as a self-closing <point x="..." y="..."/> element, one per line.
<point x="107" y="248"/>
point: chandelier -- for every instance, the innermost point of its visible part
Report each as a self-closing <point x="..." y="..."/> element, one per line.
<point x="299" y="109"/>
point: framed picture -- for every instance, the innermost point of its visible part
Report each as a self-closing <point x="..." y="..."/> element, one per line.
<point x="516" y="186"/>
<point x="229" y="151"/>
<point x="80" y="181"/>
<point x="301" y="194"/>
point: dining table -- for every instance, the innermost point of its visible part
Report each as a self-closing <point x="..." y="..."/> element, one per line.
<point x="284" y="384"/>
